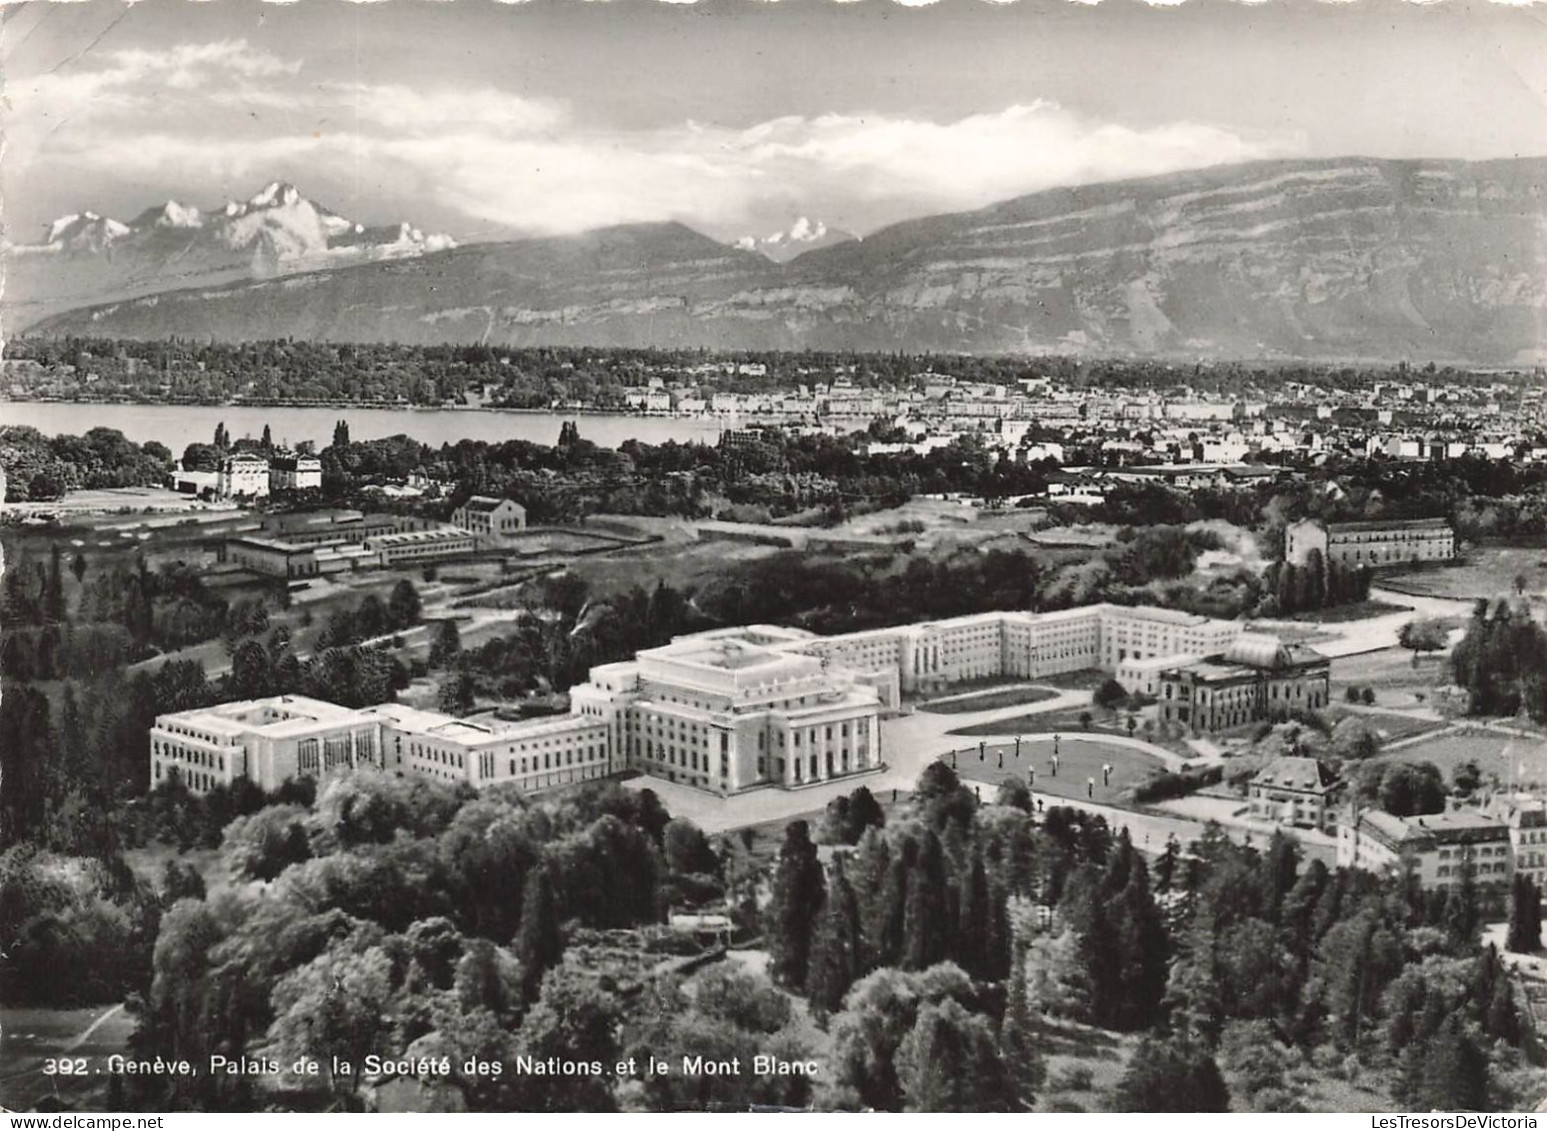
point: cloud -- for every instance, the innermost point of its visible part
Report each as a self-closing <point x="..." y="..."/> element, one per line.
<point x="185" y="117"/>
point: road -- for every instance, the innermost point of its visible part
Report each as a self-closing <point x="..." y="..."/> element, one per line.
<point x="1352" y="638"/>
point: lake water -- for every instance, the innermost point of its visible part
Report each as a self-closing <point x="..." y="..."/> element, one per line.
<point x="180" y="425"/>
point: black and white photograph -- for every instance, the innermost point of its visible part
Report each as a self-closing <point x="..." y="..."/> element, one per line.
<point x="781" y="556"/>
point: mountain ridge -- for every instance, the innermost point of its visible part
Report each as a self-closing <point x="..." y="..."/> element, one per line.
<point x="87" y="258"/>
<point x="1324" y="258"/>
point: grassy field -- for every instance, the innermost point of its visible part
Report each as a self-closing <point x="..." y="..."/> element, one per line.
<point x="1485" y="571"/>
<point x="1080" y="758"/>
<point x="1390" y="672"/>
<point x="1340" y="614"/>
<point x="1066" y="720"/>
<point x="1389" y="727"/>
<point x="988" y="700"/>
<point x="1084" y="1065"/>
<point x="1086" y="679"/>
<point x="1521" y="761"/>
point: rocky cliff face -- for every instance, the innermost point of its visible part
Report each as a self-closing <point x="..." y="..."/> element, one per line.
<point x="1317" y="259"/>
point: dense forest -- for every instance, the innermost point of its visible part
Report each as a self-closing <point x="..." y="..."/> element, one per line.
<point x="944" y="952"/>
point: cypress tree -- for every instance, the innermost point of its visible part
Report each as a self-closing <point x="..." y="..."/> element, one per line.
<point x="1525" y="916"/>
<point x="974" y="919"/>
<point x="1455" y="1070"/>
<point x="792" y="912"/>
<point x="53" y="588"/>
<point x="539" y="945"/>
<point x="926" y="916"/>
<point x="835" y="959"/>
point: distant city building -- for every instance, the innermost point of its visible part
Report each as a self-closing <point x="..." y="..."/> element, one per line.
<point x="489" y="517"/>
<point x="1257" y="678"/>
<point x="1296" y="791"/>
<point x="1526" y="818"/>
<point x="270" y="557"/>
<point x="291" y="472"/>
<point x="421" y="545"/>
<point x="243" y="475"/>
<point x="1438" y="847"/>
<point x="1371" y="544"/>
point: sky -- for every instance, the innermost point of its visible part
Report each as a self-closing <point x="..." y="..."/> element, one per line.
<point x="486" y="120"/>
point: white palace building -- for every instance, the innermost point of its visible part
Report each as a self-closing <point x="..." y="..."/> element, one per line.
<point x="723" y="711"/>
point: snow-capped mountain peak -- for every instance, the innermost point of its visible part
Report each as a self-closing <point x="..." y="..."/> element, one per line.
<point x="85" y="229"/>
<point x="87" y="257"/>
<point x="172" y="214"/>
<point x="276" y="194"/>
<point x="801" y="236"/>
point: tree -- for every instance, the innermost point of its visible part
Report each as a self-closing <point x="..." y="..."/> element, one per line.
<point x="539" y="944"/>
<point x="949" y="1061"/>
<point x="687" y="849"/>
<point x="1412" y="788"/>
<point x="927" y="915"/>
<point x="573" y="1020"/>
<point x="1171" y="1076"/>
<point x="836" y="953"/>
<point x="1426" y="634"/>
<point x="1086" y="718"/>
<point x="341" y="435"/>
<point x="267" y="443"/>
<point x="261" y="845"/>
<point x="447" y="645"/>
<point x="252" y="674"/>
<point x="78" y="567"/>
<point x="1110" y="695"/>
<point x="1014" y="793"/>
<point x="53" y="588"/>
<point x="1455" y="1070"/>
<point x="796" y="900"/>
<point x="403" y="606"/>
<point x="1525" y="916"/>
<point x="458" y="694"/>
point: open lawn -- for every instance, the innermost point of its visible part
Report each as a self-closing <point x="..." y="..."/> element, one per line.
<point x="988" y="700"/>
<point x="1084" y="1065"/>
<point x="1080" y="758"/>
<point x="1086" y="679"/>
<point x="1388" y="727"/>
<point x="1484" y="571"/>
<point x="1519" y="761"/>
<point x="1390" y="672"/>
<point x="1066" y="720"/>
<point x="1340" y="614"/>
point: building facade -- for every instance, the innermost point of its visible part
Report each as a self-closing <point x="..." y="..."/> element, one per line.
<point x="1296" y="791"/>
<point x="1438" y="847"/>
<point x="1371" y="544"/>
<point x="291" y="736"/>
<point x="291" y="472"/>
<point x="1526" y="818"/>
<point x="1257" y="678"/>
<point x="243" y="475"/>
<point x="489" y="517"/>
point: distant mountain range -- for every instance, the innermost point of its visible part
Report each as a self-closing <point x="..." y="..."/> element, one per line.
<point x="1330" y="259"/>
<point x="86" y="259"/>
